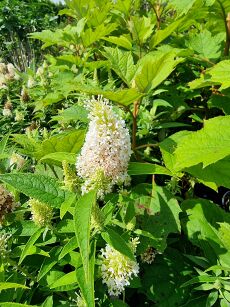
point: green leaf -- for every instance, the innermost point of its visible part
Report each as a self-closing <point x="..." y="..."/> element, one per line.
<point x="69" y="247"/>
<point x="117" y="242"/>
<point x="213" y="175"/>
<point x="207" y="145"/>
<point x="137" y="168"/>
<point x="82" y="218"/>
<point x="217" y="75"/>
<point x="91" y="36"/>
<point x="221" y="102"/>
<point x="67" y="279"/>
<point x="122" y="63"/>
<point x="59" y="157"/>
<point x="3" y="143"/>
<point x="42" y="188"/>
<point x="87" y="287"/>
<point x="141" y="28"/>
<point x="203" y="230"/>
<point x="163" y="34"/>
<point x="73" y="113"/>
<point x="12" y="304"/>
<point x="48" y="263"/>
<point x="206" y="45"/>
<point x="51" y="98"/>
<point x="182" y="6"/>
<point x="168" y="147"/>
<point x="164" y="276"/>
<point x="157" y="212"/>
<point x="66" y="205"/>
<point x="11" y="285"/>
<point x="212" y="298"/>
<point x="124" y="97"/>
<point x="68" y="142"/>
<point x="48" y="302"/>
<point x="121" y="41"/>
<point x="30" y="243"/>
<point x="153" y="69"/>
<point x="200" y="279"/>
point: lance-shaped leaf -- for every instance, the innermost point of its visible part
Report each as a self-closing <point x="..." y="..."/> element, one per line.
<point x="42" y="188"/>
<point x="82" y="218"/>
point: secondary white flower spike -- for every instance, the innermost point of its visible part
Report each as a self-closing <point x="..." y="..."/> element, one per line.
<point x="104" y="157"/>
<point x="117" y="269"/>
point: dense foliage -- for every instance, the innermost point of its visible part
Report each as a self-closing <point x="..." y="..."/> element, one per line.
<point x="18" y="19"/>
<point x="115" y="159"/>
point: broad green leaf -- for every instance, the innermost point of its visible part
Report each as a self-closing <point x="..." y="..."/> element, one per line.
<point x="29" y="244"/>
<point x="10" y="285"/>
<point x="48" y="263"/>
<point x="73" y="113"/>
<point x="67" y="279"/>
<point x="157" y="212"/>
<point x="69" y="247"/>
<point x="65" y="226"/>
<point x="124" y="97"/>
<point x="214" y="175"/>
<point x="59" y="157"/>
<point x="153" y="69"/>
<point x="90" y="36"/>
<point x="121" y="41"/>
<point x="182" y="6"/>
<point x="121" y="96"/>
<point x="52" y="98"/>
<point x="42" y="188"/>
<point x="137" y="168"/>
<point x="164" y="276"/>
<point x="122" y="63"/>
<point x="168" y="147"/>
<point x="163" y="34"/>
<point x="217" y="75"/>
<point x="203" y="230"/>
<point x="220" y="102"/>
<point x="117" y="242"/>
<point x="82" y="218"/>
<point x="141" y="28"/>
<point x="208" y="145"/>
<point x="70" y="141"/>
<point x="206" y="45"/>
<point x="224" y="230"/>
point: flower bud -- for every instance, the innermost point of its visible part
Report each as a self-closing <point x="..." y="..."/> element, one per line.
<point x="41" y="213"/>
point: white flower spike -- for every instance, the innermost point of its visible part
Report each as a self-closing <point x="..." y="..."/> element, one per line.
<point x="104" y="157"/>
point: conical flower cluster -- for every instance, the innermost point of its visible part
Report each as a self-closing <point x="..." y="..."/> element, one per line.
<point x="7" y="203"/>
<point x="117" y="269"/>
<point x="106" y="152"/>
<point x="7" y="73"/>
<point x="41" y="213"/>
